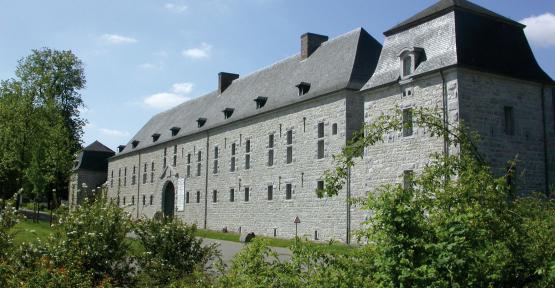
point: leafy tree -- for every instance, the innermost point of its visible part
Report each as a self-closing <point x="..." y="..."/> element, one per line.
<point x="39" y="113"/>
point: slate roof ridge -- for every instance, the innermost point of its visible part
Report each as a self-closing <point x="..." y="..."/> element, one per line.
<point x="443" y="7"/>
<point x="97" y="147"/>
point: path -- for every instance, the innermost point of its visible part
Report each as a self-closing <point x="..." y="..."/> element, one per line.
<point x="228" y="249"/>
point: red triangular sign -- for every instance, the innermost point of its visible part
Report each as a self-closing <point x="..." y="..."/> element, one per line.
<point x="297" y="220"/>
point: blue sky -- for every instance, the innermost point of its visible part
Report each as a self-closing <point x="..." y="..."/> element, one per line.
<point x="142" y="57"/>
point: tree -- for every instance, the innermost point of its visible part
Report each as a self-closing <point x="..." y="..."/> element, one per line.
<point x="41" y="127"/>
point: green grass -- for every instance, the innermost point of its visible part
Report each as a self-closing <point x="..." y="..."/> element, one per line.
<point x="335" y="248"/>
<point x="29" y="231"/>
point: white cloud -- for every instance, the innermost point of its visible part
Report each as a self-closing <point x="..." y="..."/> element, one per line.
<point x="115" y="39"/>
<point x="182" y="88"/>
<point x="201" y="52"/>
<point x="113" y="132"/>
<point x="176" y="8"/>
<point x="150" y="66"/>
<point x="540" y="29"/>
<point x="164" y="100"/>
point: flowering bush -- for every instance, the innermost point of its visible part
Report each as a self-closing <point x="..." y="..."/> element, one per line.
<point x="171" y="251"/>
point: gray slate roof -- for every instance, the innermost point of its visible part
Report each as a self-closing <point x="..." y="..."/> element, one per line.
<point x="93" y="157"/>
<point x="345" y="62"/>
<point x="443" y="7"/>
<point x="459" y="33"/>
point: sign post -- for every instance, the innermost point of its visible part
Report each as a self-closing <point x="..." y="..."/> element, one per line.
<point x="297" y="221"/>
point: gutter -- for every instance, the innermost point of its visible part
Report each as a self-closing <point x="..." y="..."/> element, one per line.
<point x="138" y="184"/>
<point x="445" y="115"/>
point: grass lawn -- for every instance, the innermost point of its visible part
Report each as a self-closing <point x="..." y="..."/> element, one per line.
<point x="29" y="231"/>
<point x="276" y="242"/>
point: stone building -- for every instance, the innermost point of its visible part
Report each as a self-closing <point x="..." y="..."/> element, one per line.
<point x="89" y="172"/>
<point x="250" y="155"/>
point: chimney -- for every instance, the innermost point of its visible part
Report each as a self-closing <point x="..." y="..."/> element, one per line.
<point x="310" y="42"/>
<point x="224" y="80"/>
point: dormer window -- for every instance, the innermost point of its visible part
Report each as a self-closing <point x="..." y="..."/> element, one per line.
<point x="175" y="130"/>
<point x="410" y="58"/>
<point x="260" y="101"/>
<point x="155" y="137"/>
<point x="228" y="112"/>
<point x="201" y="122"/>
<point x="303" y="88"/>
<point x="134" y="144"/>
<point x="120" y="148"/>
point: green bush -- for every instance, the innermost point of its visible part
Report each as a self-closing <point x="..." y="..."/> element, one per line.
<point x="171" y="252"/>
<point x="91" y="239"/>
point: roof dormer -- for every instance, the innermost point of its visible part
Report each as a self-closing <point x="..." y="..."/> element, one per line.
<point x="303" y="87"/>
<point x="135" y="143"/>
<point x="260" y="101"/>
<point x="120" y="148"/>
<point x="228" y="112"/>
<point x="175" y="130"/>
<point x="155" y="137"/>
<point x="409" y="59"/>
<point x="201" y="122"/>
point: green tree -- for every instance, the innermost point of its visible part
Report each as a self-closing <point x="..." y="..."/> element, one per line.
<point x="41" y="127"/>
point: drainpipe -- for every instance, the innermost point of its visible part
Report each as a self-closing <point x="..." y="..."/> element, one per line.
<point x="545" y="160"/>
<point x="445" y="114"/>
<point x="138" y="179"/>
<point x="206" y="179"/>
<point x="348" y="236"/>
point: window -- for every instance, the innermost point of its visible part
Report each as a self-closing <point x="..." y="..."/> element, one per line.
<point x="288" y="191"/>
<point x="189" y="165"/>
<point x="247" y="154"/>
<point x="231" y="195"/>
<point x="155" y="137"/>
<point x="201" y="122"/>
<point x="123" y="200"/>
<point x="152" y="172"/>
<point x="228" y="112"/>
<point x="199" y="164"/>
<point x="151" y="199"/>
<point x="174" y="155"/>
<point x="271" y="150"/>
<point x="187" y="197"/>
<point x="407" y="65"/>
<point x="111" y="180"/>
<point x="118" y="200"/>
<point x="270" y="192"/>
<point x="132" y="200"/>
<point x="216" y="155"/>
<point x="303" y="88"/>
<point x="134" y="177"/>
<point x="175" y="130"/>
<point x="320" y="140"/>
<point x="320" y="185"/>
<point x="165" y="153"/>
<point x="198" y="196"/>
<point x="215" y="196"/>
<point x="334" y="129"/>
<point x="289" y="158"/>
<point x="144" y="200"/>
<point x="407" y="122"/>
<point x="509" y="121"/>
<point x="232" y="165"/>
<point x="260" y="101"/>
<point x="144" y="173"/>
<point x="408" y="176"/>
<point x="247" y="192"/>
<point x="125" y="176"/>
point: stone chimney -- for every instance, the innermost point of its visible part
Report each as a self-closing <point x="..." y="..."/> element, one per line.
<point x="310" y="42"/>
<point x="224" y="80"/>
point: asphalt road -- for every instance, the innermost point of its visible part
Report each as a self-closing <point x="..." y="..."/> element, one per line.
<point x="228" y="250"/>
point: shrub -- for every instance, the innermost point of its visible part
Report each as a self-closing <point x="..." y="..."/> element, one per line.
<point x="171" y="251"/>
<point x="91" y="239"/>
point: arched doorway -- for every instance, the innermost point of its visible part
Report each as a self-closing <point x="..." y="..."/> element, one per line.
<point x="168" y="199"/>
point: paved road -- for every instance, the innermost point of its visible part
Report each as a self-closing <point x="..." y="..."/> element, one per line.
<point x="228" y="249"/>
